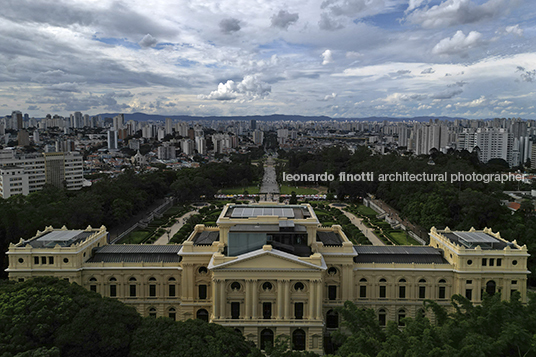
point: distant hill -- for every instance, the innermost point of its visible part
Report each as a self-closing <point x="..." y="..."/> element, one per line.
<point x="273" y="117"/>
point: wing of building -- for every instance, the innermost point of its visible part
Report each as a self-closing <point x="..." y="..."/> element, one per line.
<point x="269" y="270"/>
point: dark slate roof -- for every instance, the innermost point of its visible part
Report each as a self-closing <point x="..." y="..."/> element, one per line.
<point x="206" y="238"/>
<point x="136" y="253"/>
<point x="329" y="238"/>
<point x="399" y="254"/>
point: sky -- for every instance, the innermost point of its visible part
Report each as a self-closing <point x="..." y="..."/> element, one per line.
<point x="340" y="58"/>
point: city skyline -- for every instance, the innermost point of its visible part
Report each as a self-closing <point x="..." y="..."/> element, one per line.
<point x="338" y="58"/>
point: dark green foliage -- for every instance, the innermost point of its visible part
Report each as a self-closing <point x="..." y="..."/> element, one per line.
<point x="45" y="315"/>
<point x="191" y="338"/>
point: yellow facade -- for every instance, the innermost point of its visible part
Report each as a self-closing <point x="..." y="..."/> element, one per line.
<point x="270" y="270"/>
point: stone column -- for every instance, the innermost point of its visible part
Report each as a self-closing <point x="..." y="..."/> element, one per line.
<point x="319" y="299"/>
<point x="287" y="299"/>
<point x="216" y="298"/>
<point x="312" y="292"/>
<point x="254" y="299"/>
<point x="247" y="300"/>
<point x="223" y="300"/>
<point x="280" y="297"/>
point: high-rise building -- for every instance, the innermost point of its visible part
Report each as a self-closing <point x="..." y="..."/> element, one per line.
<point x="169" y="126"/>
<point x="119" y="121"/>
<point x="16" y="117"/>
<point x="258" y="137"/>
<point x="166" y="152"/>
<point x="112" y="140"/>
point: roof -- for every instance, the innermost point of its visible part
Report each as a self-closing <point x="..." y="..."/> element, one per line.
<point x="329" y="238"/>
<point x="282" y="211"/>
<point x="63" y="238"/>
<point x="514" y="206"/>
<point x="399" y="254"/>
<point x="206" y="237"/>
<point x="473" y="239"/>
<point x="134" y="253"/>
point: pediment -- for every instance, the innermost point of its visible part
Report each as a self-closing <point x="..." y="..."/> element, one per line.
<point x="272" y="259"/>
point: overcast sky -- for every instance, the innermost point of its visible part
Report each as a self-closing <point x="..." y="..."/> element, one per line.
<point x="340" y="58"/>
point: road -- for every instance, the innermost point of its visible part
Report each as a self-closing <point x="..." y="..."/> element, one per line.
<point x="164" y="239"/>
<point x="269" y="183"/>
<point x="368" y="232"/>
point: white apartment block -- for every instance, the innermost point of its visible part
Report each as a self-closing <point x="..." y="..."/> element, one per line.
<point x="62" y="169"/>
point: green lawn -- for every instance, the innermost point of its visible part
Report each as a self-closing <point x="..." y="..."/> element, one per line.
<point x="367" y="211"/>
<point x="287" y="190"/>
<point x="402" y="238"/>
<point x="240" y="190"/>
<point x="135" y="237"/>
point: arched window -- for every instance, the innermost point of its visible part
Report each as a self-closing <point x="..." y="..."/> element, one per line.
<point x="92" y="279"/>
<point x="422" y="289"/>
<point x="402" y="289"/>
<point x="202" y="315"/>
<point x="298" y="340"/>
<point x="332" y="319"/>
<point x="332" y="271"/>
<point x="299" y="286"/>
<point x="267" y="286"/>
<point x="113" y="287"/>
<point x="152" y="287"/>
<point x="172" y="313"/>
<point x="132" y="287"/>
<point x="236" y="286"/>
<point x="362" y="288"/>
<point x="491" y="287"/>
<point x="152" y="312"/>
<point x="93" y="286"/>
<point x="267" y="338"/>
<point x="401" y="316"/>
<point x="382" y="317"/>
<point x="442" y="294"/>
<point x="383" y="288"/>
<point x="202" y="270"/>
<point x="171" y="287"/>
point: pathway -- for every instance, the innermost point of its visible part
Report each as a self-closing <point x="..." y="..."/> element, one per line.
<point x="368" y="232"/>
<point x="269" y="180"/>
<point x="164" y="239"/>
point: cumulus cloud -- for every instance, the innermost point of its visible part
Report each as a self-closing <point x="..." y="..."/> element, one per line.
<point x="327" y="57"/>
<point x="456" y="12"/>
<point x="148" y="41"/>
<point x="413" y="4"/>
<point x="328" y="23"/>
<point x="458" y="44"/>
<point x="428" y="71"/>
<point x="228" y="26"/>
<point x="64" y="87"/>
<point x="515" y="30"/>
<point x="283" y="19"/>
<point x="352" y="8"/>
<point x="329" y="97"/>
<point x="482" y="101"/>
<point x="251" y="87"/>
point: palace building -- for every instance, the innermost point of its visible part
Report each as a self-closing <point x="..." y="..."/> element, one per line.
<point x="270" y="270"/>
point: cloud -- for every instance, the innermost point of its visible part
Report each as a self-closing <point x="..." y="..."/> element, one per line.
<point x="33" y="107"/>
<point x="228" y="26"/>
<point x="413" y="4"/>
<point x="526" y="76"/>
<point x="447" y="94"/>
<point x="353" y="55"/>
<point x="331" y="96"/>
<point x="458" y="44"/>
<point x="457" y="12"/>
<point x="482" y="101"/>
<point x="283" y="19"/>
<point x="515" y="30"/>
<point x="249" y="88"/>
<point x="352" y="8"/>
<point x="327" y="57"/>
<point x="148" y="41"/>
<point x="64" y="87"/>
<point x="402" y="73"/>
<point x="328" y="23"/>
<point x="428" y="71"/>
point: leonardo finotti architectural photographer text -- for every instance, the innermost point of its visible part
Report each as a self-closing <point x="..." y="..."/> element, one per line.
<point x="404" y="177"/>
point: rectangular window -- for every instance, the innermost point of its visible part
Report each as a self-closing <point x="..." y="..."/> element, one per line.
<point x="113" y="290"/>
<point x="499" y="262"/>
<point x="43" y="260"/>
<point x="491" y="262"/>
<point x="298" y="310"/>
<point x="363" y="291"/>
<point x="202" y="292"/>
<point x="267" y="310"/>
<point x="442" y="292"/>
<point x="152" y="290"/>
<point x="383" y="289"/>
<point x="469" y="294"/>
<point x="132" y="290"/>
<point x="172" y="291"/>
<point x="468" y="281"/>
<point x="235" y="310"/>
<point x="36" y="260"/>
<point x="401" y="292"/>
<point x="21" y="280"/>
<point x="173" y="316"/>
<point x="484" y="262"/>
<point x="382" y="319"/>
<point x="332" y="292"/>
<point x="422" y="292"/>
<point x="50" y="260"/>
<point x="514" y="282"/>
<point x="93" y="288"/>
